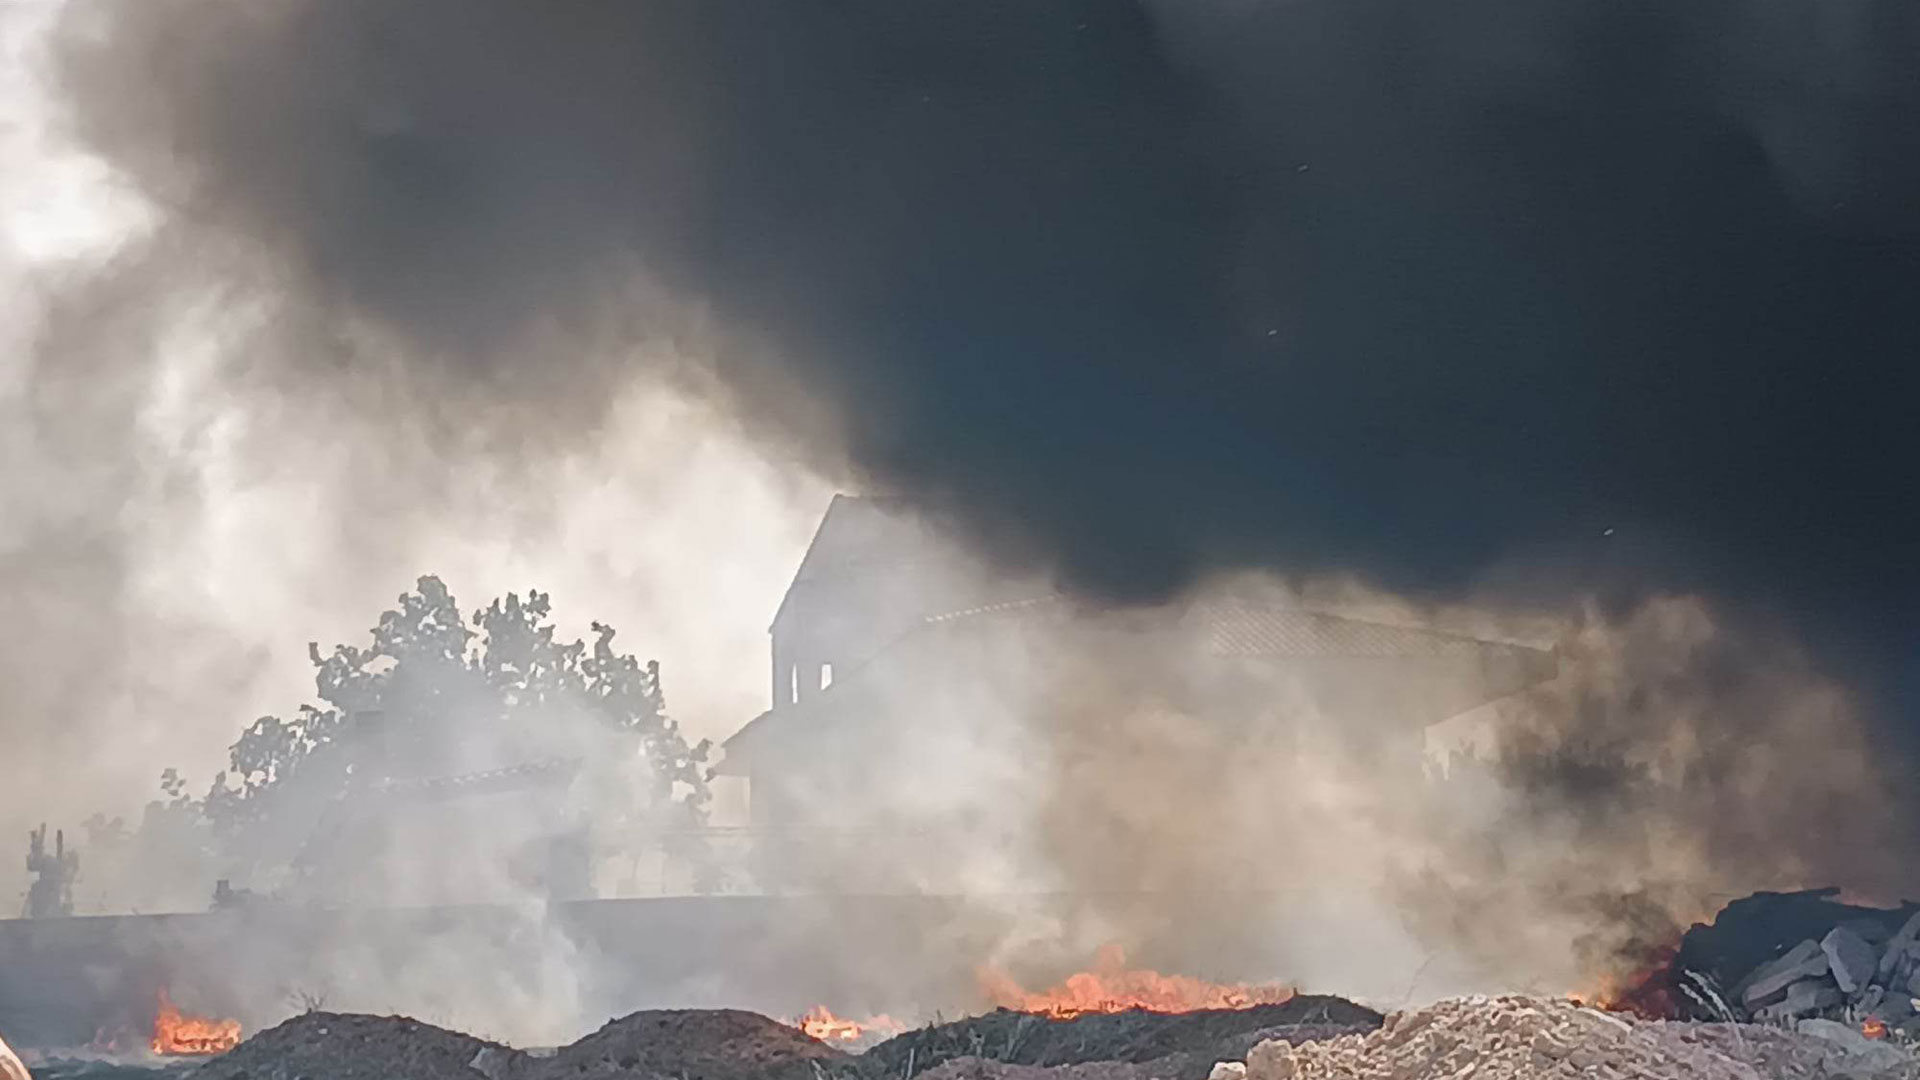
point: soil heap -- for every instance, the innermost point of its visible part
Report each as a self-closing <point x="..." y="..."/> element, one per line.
<point x="336" y="1046"/>
<point x="1165" y="1046"/>
<point x="697" y="1044"/>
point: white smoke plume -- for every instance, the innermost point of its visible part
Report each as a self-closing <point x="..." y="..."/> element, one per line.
<point x="219" y="446"/>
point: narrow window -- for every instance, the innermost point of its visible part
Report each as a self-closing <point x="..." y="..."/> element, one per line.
<point x="793" y="680"/>
<point x="826" y="676"/>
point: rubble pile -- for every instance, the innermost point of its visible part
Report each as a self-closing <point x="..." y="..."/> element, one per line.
<point x="1810" y="1050"/>
<point x="1779" y="957"/>
<point x="1856" y="969"/>
<point x="1514" y="1038"/>
<point x="1168" y="1046"/>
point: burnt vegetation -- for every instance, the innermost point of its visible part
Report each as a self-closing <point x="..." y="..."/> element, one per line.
<point x="1182" y="1045"/>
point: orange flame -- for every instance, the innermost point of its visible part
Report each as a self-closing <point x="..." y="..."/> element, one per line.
<point x="175" y="1033"/>
<point x="1647" y="992"/>
<point x="1874" y="1028"/>
<point x="821" y="1024"/>
<point x="1113" y="987"/>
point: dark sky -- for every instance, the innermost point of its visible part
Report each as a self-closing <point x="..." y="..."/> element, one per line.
<point x="1439" y="294"/>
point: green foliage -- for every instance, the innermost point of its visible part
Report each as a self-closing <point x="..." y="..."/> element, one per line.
<point x="429" y="669"/>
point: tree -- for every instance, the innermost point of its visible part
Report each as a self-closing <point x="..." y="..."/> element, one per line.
<point x="433" y="679"/>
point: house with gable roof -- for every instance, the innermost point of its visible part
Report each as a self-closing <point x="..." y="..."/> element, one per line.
<point x="907" y="682"/>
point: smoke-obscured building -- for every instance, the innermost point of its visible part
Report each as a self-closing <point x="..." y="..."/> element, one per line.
<point x="923" y="707"/>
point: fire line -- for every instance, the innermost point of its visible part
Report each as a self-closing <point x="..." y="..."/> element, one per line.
<point x="175" y="1034"/>
<point x="1113" y="987"/>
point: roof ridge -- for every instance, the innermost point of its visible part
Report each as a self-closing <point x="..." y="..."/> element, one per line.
<point x="988" y="609"/>
<point x="1295" y="607"/>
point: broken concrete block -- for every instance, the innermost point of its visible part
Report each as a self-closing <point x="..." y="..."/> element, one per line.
<point x="1867" y="1000"/>
<point x="1908" y="934"/>
<point x="1804" y="961"/>
<point x="1804" y="998"/>
<point x="1851" y="960"/>
<point x="1894" y="1009"/>
<point x="1228" y="1070"/>
<point x="1898" y="965"/>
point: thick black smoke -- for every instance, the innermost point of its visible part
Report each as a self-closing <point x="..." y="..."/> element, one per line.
<point x="1618" y="294"/>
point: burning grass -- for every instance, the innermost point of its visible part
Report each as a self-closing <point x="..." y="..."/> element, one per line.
<point x="1111" y="987"/>
<point x="177" y="1034"/>
<point x="820" y="1023"/>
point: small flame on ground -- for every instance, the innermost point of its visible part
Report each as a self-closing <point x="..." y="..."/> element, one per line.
<point x="1873" y="1028"/>
<point x="177" y="1034"/>
<point x="820" y="1023"/>
<point x="1113" y="987"/>
<point x="1648" y="991"/>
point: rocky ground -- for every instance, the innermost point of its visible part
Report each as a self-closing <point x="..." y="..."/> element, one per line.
<point x="1512" y="1038"/>
<point x="1311" y="1038"/>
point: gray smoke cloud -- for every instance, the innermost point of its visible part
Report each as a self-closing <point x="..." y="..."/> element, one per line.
<point x="1131" y="295"/>
<point x="1260" y="260"/>
<point x="180" y="521"/>
<point x="1096" y="781"/>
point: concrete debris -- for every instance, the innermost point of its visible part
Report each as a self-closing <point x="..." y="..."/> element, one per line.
<point x="1229" y="1070"/>
<point x="1514" y="1038"/>
<point x="1757" y="947"/>
<point x="1851" y="959"/>
<point x="1897" y="946"/>
<point x="1768" y="982"/>
<point x="1804" y="998"/>
<point x="1899" y="964"/>
<point x="1845" y="975"/>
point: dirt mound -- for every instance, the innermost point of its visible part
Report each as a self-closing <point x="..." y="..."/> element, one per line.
<point x="1179" y="1046"/>
<point x="698" y="1044"/>
<point x="1512" y="1038"/>
<point x="338" y="1046"/>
